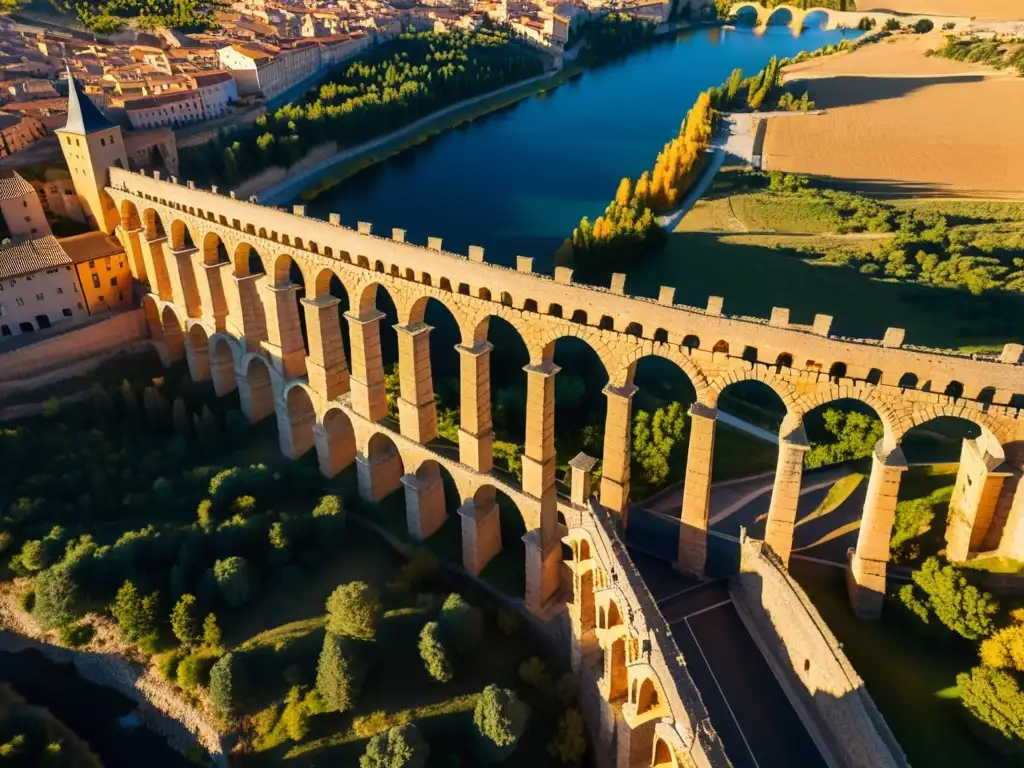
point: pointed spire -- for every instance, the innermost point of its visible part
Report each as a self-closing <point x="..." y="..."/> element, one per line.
<point x="83" y="116"/>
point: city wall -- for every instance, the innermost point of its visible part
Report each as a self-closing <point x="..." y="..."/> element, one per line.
<point x="88" y="341"/>
<point x="804" y="652"/>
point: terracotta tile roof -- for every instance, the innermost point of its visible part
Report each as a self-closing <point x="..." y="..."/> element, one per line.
<point x="91" y="245"/>
<point x="13" y="186"/>
<point x="31" y="256"/>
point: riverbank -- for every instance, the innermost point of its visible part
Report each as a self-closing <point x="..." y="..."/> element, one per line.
<point x="107" y="662"/>
<point x="313" y="181"/>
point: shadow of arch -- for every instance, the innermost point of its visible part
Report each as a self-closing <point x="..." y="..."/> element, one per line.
<point x="173" y="333"/>
<point x="255" y="389"/>
<point x="295" y="422"/>
<point x="336" y="443"/>
<point x="197" y="353"/>
<point x="222" y="365"/>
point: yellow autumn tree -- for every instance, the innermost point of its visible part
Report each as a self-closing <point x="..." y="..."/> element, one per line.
<point x="625" y="192"/>
<point x="1005" y="648"/>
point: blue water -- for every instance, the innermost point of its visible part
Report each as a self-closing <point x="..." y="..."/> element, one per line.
<point x="517" y="181"/>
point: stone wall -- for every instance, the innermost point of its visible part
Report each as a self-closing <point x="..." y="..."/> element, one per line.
<point x="79" y="344"/>
<point x="806" y="655"/>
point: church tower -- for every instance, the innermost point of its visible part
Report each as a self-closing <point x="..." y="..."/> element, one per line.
<point x="91" y="144"/>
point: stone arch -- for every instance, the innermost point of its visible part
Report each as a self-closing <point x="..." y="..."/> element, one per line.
<point x="683" y="362"/>
<point x="664" y="755"/>
<point x="247" y="261"/>
<point x="648" y="699"/>
<point x="255" y="388"/>
<point x="173" y="332"/>
<point x="616" y="672"/>
<point x="214" y="249"/>
<point x="865" y="395"/>
<point x="152" y="224"/>
<point x="180" y="236"/>
<point x="152" y="314"/>
<point x="130" y="219"/>
<point x="197" y="352"/>
<point x="721" y="347"/>
<point x="780" y="386"/>
<point x="379" y="468"/>
<point x="222" y="364"/>
<point x="335" y="442"/>
<point x="295" y="421"/>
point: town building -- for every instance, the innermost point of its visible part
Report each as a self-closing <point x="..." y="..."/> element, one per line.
<point x="38" y="287"/>
<point x="217" y="90"/>
<point x="173" y="109"/>
<point x="102" y="270"/>
<point x="21" y="210"/>
<point x="17" y="132"/>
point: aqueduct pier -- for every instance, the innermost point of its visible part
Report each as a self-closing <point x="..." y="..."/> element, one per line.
<point x="219" y="271"/>
<point x="830" y="18"/>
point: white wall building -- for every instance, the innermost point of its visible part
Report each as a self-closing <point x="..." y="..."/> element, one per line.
<point x="38" y="287"/>
<point x="166" y="109"/>
<point x="216" y="91"/>
<point x="21" y="209"/>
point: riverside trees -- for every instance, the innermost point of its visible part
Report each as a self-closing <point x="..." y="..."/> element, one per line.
<point x="393" y="85"/>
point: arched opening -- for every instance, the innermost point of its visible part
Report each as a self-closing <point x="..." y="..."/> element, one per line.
<point x="295" y="423"/>
<point x="815" y="20"/>
<point x="780" y="17"/>
<point x="750" y="354"/>
<point x="506" y="299"/>
<point x="741" y="451"/>
<point x="555" y="310"/>
<point x="380" y="475"/>
<point x="255" y="391"/>
<point x="874" y="376"/>
<point x="663" y="755"/>
<point x="484" y="294"/>
<point x="336" y="443"/>
<point x="614" y="615"/>
<point x="785" y="360"/>
<point x="607" y="323"/>
<point x="214" y="251"/>
<point x="691" y="342"/>
<point x="507" y="571"/>
<point x="746" y="16"/>
<point x="288" y="276"/>
<point x="174" y="334"/>
<point x="987" y="395"/>
<point x="222" y="367"/>
<point x="130" y="219"/>
<point x="580" y="402"/>
<point x="445" y="365"/>
<point x="376" y="297"/>
<point x="661" y="335"/>
<point x="647" y="698"/>
<point x="530" y="305"/>
<point x="431" y="509"/>
<point x="908" y="381"/>
<point x="181" y="238"/>
<point x="615" y="671"/>
<point x="197" y="353"/>
<point x="248" y="261"/>
<point x="153" y="320"/>
<point x="721" y="347"/>
<point x="837" y="371"/>
<point x="507" y="394"/>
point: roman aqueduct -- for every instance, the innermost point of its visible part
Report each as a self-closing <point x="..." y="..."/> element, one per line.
<point x="237" y="321"/>
<point x="829" y="18"/>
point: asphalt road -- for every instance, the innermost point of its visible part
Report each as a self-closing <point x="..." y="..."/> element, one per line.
<point x="750" y="711"/>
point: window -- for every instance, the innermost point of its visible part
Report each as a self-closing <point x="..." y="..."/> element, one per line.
<point x="5" y="330"/>
<point x="67" y="312"/>
<point x="102" y="299"/>
<point x="24" y="204"/>
<point x="95" y="280"/>
<point x="19" y="301"/>
<point x="103" y="142"/>
<point x="60" y="290"/>
<point x="39" y="297"/>
<point x="92" y="264"/>
<point x="113" y="282"/>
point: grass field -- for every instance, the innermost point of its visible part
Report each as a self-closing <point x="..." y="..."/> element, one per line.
<point x="761" y="250"/>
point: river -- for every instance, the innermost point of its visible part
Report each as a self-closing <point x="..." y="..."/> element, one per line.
<point x="518" y="180"/>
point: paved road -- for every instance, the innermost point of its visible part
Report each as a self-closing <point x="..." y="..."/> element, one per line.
<point x="750" y="711"/>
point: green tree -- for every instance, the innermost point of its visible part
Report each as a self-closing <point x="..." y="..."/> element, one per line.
<point x="461" y="624"/>
<point x="957" y="604"/>
<point x="400" y="747"/>
<point x="656" y="437"/>
<point x="211" y="632"/>
<point x="339" y="675"/>
<point x="57" y="596"/>
<point x="855" y="435"/>
<point x="995" y="699"/>
<point x="500" y="719"/>
<point x="434" y="654"/>
<point x="569" y="744"/>
<point x="354" y="610"/>
<point x="228" y="684"/>
<point x="234" y="580"/>
<point x="135" y="614"/>
<point x="184" y="622"/>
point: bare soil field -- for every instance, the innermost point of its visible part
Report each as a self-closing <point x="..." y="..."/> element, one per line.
<point x="897" y="123"/>
<point x="982" y="9"/>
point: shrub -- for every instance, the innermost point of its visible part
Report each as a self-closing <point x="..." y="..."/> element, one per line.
<point x="211" y="632"/>
<point x="569" y="744"/>
<point x="1005" y="649"/>
<point x="866" y="24"/>
<point x="166" y="665"/>
<point x="924" y="26"/>
<point x="194" y="669"/>
<point x="354" y="610"/>
<point x="329" y="516"/>
<point x="462" y="624"/>
<point x="500" y="719"/>
<point x="340" y="674"/>
<point x="295" y="717"/>
<point x="960" y="606"/>
<point x="534" y="672"/>
<point x="433" y="653"/>
<point x="135" y="614"/>
<point x="56" y="598"/>
<point x="400" y="747"/>
<point x="184" y="622"/>
<point x="205" y="514"/>
<point x="228" y="684"/>
<point x="891" y="25"/>
<point x="233" y="580"/>
<point x="76" y="635"/>
<point x="28" y="601"/>
<point x="995" y="699"/>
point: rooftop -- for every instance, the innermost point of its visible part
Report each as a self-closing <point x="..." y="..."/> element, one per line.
<point x="13" y="186"/>
<point x="31" y="256"/>
<point x="83" y="116"/>
<point x="91" y="245"/>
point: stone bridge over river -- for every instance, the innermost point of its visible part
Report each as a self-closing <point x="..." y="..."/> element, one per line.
<point x="830" y="18"/>
<point x="222" y="296"/>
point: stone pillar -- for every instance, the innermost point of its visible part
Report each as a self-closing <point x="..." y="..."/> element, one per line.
<point x="476" y="436"/>
<point x="294" y="430"/>
<point x="284" y="344"/>
<point x="424" y="503"/>
<point x="210" y="280"/>
<point x="367" y="378"/>
<point x="417" y="413"/>
<point x="245" y="310"/>
<point x="615" y="466"/>
<point x="789" y="472"/>
<point x="582" y="467"/>
<point x="865" y="574"/>
<point x="378" y="476"/>
<point x="198" y="359"/>
<point x="539" y="452"/>
<point x="481" y="532"/>
<point x="979" y="484"/>
<point x="183" y="280"/>
<point x="543" y="571"/>
<point x="634" y="738"/>
<point x="693" y="529"/>
<point x="334" y="450"/>
<point x="156" y="267"/>
<point x="136" y="261"/>
<point x="326" y="364"/>
<point x="256" y="397"/>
